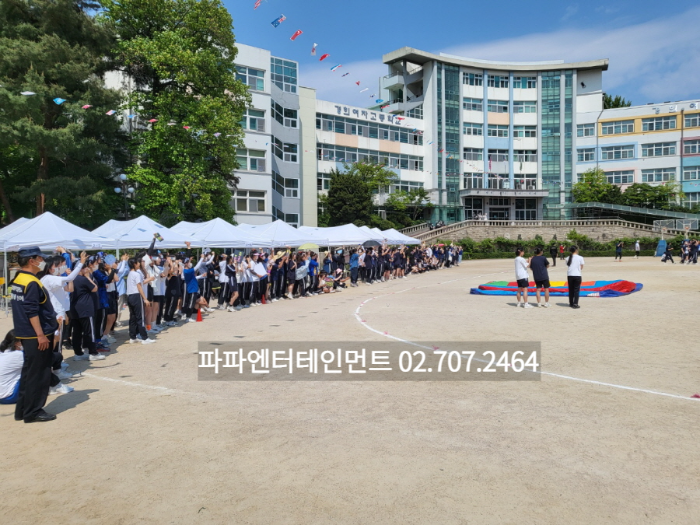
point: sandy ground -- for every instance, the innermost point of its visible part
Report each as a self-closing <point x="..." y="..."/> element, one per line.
<point x="141" y="440"/>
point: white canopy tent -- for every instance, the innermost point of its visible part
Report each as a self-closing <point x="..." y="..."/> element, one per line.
<point x="138" y="233"/>
<point x="218" y="233"/>
<point x="346" y="235"/>
<point x="396" y="237"/>
<point x="4" y="231"/>
<point x="281" y="234"/>
<point x="376" y="235"/>
<point x="47" y="231"/>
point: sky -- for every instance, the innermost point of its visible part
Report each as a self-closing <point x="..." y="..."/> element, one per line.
<point x="653" y="47"/>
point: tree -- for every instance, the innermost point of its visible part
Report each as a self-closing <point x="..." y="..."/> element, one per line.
<point x="646" y="196"/>
<point x="56" y="155"/>
<point x="377" y="176"/>
<point x="409" y="205"/>
<point x="593" y="186"/>
<point x="349" y="200"/>
<point x="618" y="102"/>
<point x="180" y="56"/>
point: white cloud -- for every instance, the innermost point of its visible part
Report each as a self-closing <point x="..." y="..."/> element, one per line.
<point x="571" y="10"/>
<point x="652" y="61"/>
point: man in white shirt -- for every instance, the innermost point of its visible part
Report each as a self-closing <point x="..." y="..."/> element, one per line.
<point x="521" y="276"/>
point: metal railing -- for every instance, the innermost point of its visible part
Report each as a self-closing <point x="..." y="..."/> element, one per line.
<point x="416" y="228"/>
<point x="632" y="209"/>
<point x="576" y="223"/>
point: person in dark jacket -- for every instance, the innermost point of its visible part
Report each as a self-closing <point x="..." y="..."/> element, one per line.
<point x="553" y="254"/>
<point x="34" y="322"/>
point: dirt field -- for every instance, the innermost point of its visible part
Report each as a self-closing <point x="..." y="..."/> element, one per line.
<point x="141" y="440"/>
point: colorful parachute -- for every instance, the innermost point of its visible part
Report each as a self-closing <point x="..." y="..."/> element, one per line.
<point x="561" y="289"/>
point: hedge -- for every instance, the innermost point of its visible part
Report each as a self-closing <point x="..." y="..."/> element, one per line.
<point x="511" y="255"/>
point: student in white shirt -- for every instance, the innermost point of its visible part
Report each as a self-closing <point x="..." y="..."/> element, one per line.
<point x="575" y="263"/>
<point x="522" y="277"/>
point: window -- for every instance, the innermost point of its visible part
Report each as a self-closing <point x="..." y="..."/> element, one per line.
<point x="333" y="153"/>
<point x="586" y="155"/>
<point x="473" y="104"/>
<point x="405" y="186"/>
<point x="473" y="206"/>
<point x="323" y="181"/>
<point x="499" y="201"/>
<point x="253" y="78"/>
<point x="525" y="82"/>
<point x="618" y="127"/>
<point x="472" y="181"/>
<point x="620" y="177"/>
<point x="285" y="187"/>
<point x="290" y="218"/>
<point x="285" y="151"/>
<point x="371" y="129"/>
<point x="283" y="74"/>
<point x="525" y="106"/>
<point x="659" y="175"/>
<point x="692" y="121"/>
<point x="617" y="152"/>
<point x="691" y="173"/>
<point x="416" y="112"/>
<point x="525" y="155"/>
<point x="286" y="117"/>
<point x="525" y="131"/>
<point x="253" y="120"/>
<point x="498" y="81"/>
<point x="585" y="130"/>
<point x="473" y="129"/>
<point x="691" y="147"/>
<point x="497" y="131"/>
<point x="498" y="155"/>
<point x="525" y="181"/>
<point x="691" y="199"/>
<point x="250" y="160"/>
<point x="249" y="201"/>
<point x="473" y="154"/>
<point x="659" y="149"/>
<point x="525" y="209"/>
<point x="498" y="106"/>
<point x="658" y="123"/>
<point x="473" y="79"/>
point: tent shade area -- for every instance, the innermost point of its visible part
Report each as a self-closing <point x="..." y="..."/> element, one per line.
<point x="47" y="231"/>
<point x="396" y="237"/>
<point x="281" y="234"/>
<point x="217" y="233"/>
<point x="346" y="235"/>
<point x="138" y="233"/>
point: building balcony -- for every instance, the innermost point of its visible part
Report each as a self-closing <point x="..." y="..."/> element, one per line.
<point x="393" y="81"/>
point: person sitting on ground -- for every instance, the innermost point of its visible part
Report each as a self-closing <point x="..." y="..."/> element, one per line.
<point x="11" y="362"/>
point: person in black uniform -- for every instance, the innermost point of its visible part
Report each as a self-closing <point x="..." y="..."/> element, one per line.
<point x="553" y="254"/>
<point x="34" y="322"/>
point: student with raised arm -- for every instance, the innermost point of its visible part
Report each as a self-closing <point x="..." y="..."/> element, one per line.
<point x="137" y="300"/>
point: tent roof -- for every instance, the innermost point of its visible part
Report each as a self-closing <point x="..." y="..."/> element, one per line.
<point x="279" y="234"/>
<point x="218" y="233"/>
<point x="47" y="231"/>
<point x="396" y="237"/>
<point x="346" y="235"/>
<point x="138" y="233"/>
<point x="376" y="235"/>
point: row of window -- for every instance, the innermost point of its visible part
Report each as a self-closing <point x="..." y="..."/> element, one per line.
<point x="362" y="128"/>
<point x="290" y="218"/>
<point x="524" y="181"/>
<point x="249" y="201"/>
<point x="285" y="187"/>
<point x="652" y="175"/>
<point x="284" y="150"/>
<point x="283" y="74"/>
<point x="499" y="106"/>
<point x="253" y="78"/>
<point x="286" y="117"/>
<point x="495" y="130"/>
<point x="500" y="155"/>
<point x="253" y="120"/>
<point x="250" y="160"/>
<point x="351" y="155"/>
<point x="499" y="81"/>
<point x="621" y="127"/>
<point x="657" y="149"/>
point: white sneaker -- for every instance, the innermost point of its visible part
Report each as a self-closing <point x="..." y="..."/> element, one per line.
<point x="97" y="357"/>
<point x="230" y="309"/>
<point x="545" y="305"/>
<point x="60" y="389"/>
<point x="148" y="341"/>
<point x="83" y="357"/>
<point x="62" y="374"/>
<point x="132" y="341"/>
<point x="110" y="339"/>
<point x="190" y="320"/>
<point x="527" y="305"/>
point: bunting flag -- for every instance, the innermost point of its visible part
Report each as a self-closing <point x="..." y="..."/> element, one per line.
<point x="257" y="4"/>
<point x="313" y="49"/>
<point x="346" y="74"/>
<point x="323" y="57"/>
<point x="379" y="101"/>
<point x="27" y="93"/>
<point x="358" y="82"/>
<point x="363" y="90"/>
<point x="185" y="127"/>
<point x="130" y="116"/>
<point x="217" y="135"/>
<point x="87" y="106"/>
<point x="277" y="21"/>
<point x="110" y="112"/>
<point x="296" y="34"/>
<point x="153" y="120"/>
<point x="59" y="101"/>
<point x="336" y="67"/>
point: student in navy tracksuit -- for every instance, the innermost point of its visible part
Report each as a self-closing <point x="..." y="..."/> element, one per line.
<point x="191" y="298"/>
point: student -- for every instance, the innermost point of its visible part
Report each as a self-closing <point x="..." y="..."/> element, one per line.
<point x="224" y="288"/>
<point x="191" y="300"/>
<point x="260" y="277"/>
<point x="539" y="264"/>
<point x="11" y="363"/>
<point x="668" y="256"/>
<point x="553" y="254"/>
<point x="561" y="252"/>
<point x="173" y="291"/>
<point x="354" y="267"/>
<point x="292" y="275"/>
<point x="122" y="273"/>
<point x="575" y="263"/>
<point x="137" y="300"/>
<point x="636" y="249"/>
<point x="521" y="276"/>
<point x="83" y="308"/>
<point x="313" y="273"/>
<point x="231" y="283"/>
<point x="618" y="251"/>
<point x="102" y="275"/>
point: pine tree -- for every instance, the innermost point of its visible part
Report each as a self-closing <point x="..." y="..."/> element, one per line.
<point x="180" y="55"/>
<point x="57" y="156"/>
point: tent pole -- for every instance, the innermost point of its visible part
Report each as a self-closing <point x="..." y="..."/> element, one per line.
<point x="7" y="311"/>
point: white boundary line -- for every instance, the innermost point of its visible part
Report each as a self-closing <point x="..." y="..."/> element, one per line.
<point x="550" y="374"/>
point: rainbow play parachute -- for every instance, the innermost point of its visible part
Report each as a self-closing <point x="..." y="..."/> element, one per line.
<point x="561" y="289"/>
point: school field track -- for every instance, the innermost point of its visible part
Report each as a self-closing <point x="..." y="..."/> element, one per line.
<point x="609" y="434"/>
